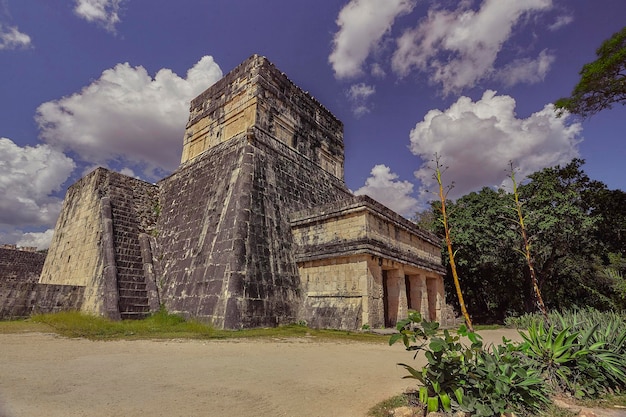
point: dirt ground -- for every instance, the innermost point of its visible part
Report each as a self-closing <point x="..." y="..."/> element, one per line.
<point x="47" y="375"/>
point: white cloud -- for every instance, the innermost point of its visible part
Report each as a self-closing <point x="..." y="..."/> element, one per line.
<point x="362" y="24"/>
<point x="458" y="48"/>
<point x="102" y="12"/>
<point x="127" y="116"/>
<point x="476" y="140"/>
<point x="28" y="178"/>
<point x="526" y="70"/>
<point x="358" y="94"/>
<point x="40" y="240"/>
<point x="561" y="21"/>
<point x="384" y="187"/>
<point x="12" y="38"/>
<point x="378" y="71"/>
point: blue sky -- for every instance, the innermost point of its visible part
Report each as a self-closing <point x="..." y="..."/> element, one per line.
<point x="88" y="83"/>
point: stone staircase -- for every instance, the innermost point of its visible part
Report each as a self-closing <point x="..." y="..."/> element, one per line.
<point x="133" y="299"/>
<point x="133" y="295"/>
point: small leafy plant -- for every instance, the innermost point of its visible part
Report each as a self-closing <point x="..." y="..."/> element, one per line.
<point x="469" y="377"/>
<point x="585" y="364"/>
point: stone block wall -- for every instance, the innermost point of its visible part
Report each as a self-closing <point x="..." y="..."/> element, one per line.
<point x="257" y="95"/>
<point x="361" y="263"/>
<point x="20" y="266"/>
<point x="22" y="299"/>
<point x="334" y="290"/>
<point x="226" y="231"/>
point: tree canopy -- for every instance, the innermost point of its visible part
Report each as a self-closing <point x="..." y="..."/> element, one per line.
<point x="576" y="229"/>
<point x="602" y="82"/>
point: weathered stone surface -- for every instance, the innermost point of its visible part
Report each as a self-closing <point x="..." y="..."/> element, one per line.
<point x="233" y="235"/>
<point x="256" y="94"/>
<point x="21" y="299"/>
<point x="361" y="263"/>
<point x="96" y="243"/>
<point x="17" y="265"/>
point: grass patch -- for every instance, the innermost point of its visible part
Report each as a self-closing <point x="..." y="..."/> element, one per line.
<point x="608" y="401"/>
<point x="478" y="327"/>
<point x="163" y="325"/>
<point x="23" y="326"/>
<point x="383" y="408"/>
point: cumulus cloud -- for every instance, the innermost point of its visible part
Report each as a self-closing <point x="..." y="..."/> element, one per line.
<point x="28" y="178"/>
<point x="102" y="12"/>
<point x="12" y="38"/>
<point x="526" y="70"/>
<point x="358" y="94"/>
<point x="40" y="240"/>
<point x="362" y="24"/>
<point x="476" y="140"/>
<point x="458" y="48"/>
<point x="127" y="116"/>
<point x="384" y="187"/>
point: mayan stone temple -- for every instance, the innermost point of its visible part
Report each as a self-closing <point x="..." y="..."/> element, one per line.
<point x="255" y="228"/>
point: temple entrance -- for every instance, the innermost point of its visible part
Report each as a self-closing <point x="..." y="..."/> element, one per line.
<point x="433" y="291"/>
<point x="413" y="292"/>
<point x="391" y="295"/>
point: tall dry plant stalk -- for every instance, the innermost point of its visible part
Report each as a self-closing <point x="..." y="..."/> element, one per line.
<point x="444" y="219"/>
<point x="526" y="252"/>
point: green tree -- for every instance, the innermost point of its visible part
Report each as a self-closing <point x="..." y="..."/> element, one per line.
<point x="602" y="82"/>
<point x="485" y="238"/>
<point x="561" y="221"/>
<point x="573" y="225"/>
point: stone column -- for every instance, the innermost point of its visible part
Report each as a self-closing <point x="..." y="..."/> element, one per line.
<point x="111" y="294"/>
<point x="417" y="288"/>
<point x="148" y="272"/>
<point x="376" y="317"/>
<point x="436" y="297"/>
<point x="396" y="296"/>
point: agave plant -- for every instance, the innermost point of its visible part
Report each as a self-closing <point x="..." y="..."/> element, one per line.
<point x="580" y="363"/>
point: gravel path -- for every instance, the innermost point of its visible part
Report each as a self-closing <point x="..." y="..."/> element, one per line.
<point x="47" y="375"/>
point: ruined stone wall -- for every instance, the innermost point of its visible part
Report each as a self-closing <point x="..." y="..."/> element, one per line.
<point x="226" y="232"/>
<point x="397" y="234"/>
<point x="20" y="266"/>
<point x="21" y="299"/>
<point x="359" y="223"/>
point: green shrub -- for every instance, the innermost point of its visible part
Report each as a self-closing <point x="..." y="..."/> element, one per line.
<point x="586" y="363"/>
<point x="482" y="381"/>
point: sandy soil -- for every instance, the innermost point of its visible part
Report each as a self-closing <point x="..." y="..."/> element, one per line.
<point x="47" y="375"/>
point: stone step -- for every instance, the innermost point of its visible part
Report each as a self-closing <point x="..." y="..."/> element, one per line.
<point x="140" y="308"/>
<point x="133" y="315"/>
<point x="127" y="292"/>
<point x="133" y="300"/>
<point x="130" y="285"/>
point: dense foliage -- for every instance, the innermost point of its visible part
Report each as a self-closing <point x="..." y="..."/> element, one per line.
<point x="482" y="381"/>
<point x="602" y="82"/>
<point x="578" y="354"/>
<point x="577" y="230"/>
